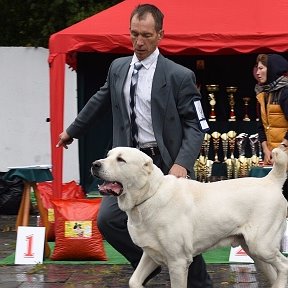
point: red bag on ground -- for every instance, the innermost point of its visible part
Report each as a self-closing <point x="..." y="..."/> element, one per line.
<point x="70" y="190"/>
<point x="76" y="232"/>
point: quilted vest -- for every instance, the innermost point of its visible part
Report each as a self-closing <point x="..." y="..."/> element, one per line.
<point x="273" y="119"/>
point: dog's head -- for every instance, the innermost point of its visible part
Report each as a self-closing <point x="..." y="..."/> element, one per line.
<point x="280" y="158"/>
<point x="128" y="174"/>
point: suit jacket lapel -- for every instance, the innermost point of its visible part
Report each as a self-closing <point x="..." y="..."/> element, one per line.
<point x="159" y="95"/>
<point x="121" y="75"/>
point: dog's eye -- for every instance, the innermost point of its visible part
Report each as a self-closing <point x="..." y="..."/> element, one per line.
<point x="120" y="159"/>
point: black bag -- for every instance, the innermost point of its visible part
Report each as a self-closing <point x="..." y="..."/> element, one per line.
<point x="10" y="194"/>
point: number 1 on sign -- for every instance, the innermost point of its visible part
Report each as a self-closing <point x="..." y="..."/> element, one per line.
<point x="29" y="252"/>
<point x="29" y="245"/>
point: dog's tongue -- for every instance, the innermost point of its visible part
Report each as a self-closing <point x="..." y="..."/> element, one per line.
<point x="110" y="188"/>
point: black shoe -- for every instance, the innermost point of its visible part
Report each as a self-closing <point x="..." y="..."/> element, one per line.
<point x="152" y="275"/>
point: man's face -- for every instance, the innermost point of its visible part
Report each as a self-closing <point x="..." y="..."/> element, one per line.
<point x="144" y="37"/>
<point x="261" y="73"/>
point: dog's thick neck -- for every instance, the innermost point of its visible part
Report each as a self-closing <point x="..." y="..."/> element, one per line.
<point x="279" y="169"/>
<point x="135" y="198"/>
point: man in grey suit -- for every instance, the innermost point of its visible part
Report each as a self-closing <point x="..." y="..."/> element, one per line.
<point x="164" y="119"/>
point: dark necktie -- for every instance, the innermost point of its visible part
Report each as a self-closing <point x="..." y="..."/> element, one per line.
<point x="134" y="80"/>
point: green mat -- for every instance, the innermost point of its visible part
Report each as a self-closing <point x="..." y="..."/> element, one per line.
<point x="216" y="256"/>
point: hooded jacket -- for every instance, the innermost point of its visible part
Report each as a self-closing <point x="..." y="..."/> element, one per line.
<point x="273" y="99"/>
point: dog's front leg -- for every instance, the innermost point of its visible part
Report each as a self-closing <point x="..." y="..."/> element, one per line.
<point x="145" y="267"/>
<point x="178" y="271"/>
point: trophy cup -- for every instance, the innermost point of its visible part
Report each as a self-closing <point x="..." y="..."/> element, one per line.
<point x="224" y="139"/>
<point x="254" y="162"/>
<point x="229" y="165"/>
<point x="236" y="168"/>
<point x="243" y="166"/>
<point x="241" y="140"/>
<point x="254" y="143"/>
<point x="201" y="169"/>
<point x="206" y="144"/>
<point x="231" y="141"/>
<point x="246" y="102"/>
<point x="216" y="139"/>
<point x="231" y="90"/>
<point x="209" y="164"/>
<point x="212" y="88"/>
<point x="195" y="168"/>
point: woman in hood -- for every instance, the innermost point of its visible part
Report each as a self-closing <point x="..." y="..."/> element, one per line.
<point x="272" y="95"/>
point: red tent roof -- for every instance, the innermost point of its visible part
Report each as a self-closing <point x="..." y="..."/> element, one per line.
<point x="202" y="27"/>
<point x="191" y="27"/>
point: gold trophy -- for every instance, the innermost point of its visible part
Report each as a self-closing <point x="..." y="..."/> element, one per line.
<point x="246" y="102"/>
<point x="212" y="88"/>
<point x="231" y="140"/>
<point x="254" y="161"/>
<point x="206" y="144"/>
<point x="243" y="169"/>
<point x="201" y="168"/>
<point x="216" y="139"/>
<point x="224" y="139"/>
<point x="209" y="165"/>
<point x="231" y="91"/>
<point x="229" y="165"/>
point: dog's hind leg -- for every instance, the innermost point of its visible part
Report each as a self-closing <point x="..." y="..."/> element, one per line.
<point x="145" y="267"/>
<point x="281" y="265"/>
<point x="267" y="269"/>
<point x="270" y="261"/>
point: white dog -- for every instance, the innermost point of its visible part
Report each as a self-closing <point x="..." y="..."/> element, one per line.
<point x="174" y="219"/>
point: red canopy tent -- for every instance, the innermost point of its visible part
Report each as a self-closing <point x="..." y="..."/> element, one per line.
<point x="191" y="27"/>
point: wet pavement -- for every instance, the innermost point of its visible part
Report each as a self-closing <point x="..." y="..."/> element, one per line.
<point x="102" y="276"/>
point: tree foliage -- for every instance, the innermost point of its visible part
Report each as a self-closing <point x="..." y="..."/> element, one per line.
<point x="32" y="22"/>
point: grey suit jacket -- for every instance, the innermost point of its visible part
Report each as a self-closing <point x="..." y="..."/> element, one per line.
<point x="174" y="120"/>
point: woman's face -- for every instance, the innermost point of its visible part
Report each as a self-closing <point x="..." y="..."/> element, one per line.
<point x="261" y="73"/>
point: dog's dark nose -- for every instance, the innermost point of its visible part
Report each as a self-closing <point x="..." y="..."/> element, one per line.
<point x="95" y="167"/>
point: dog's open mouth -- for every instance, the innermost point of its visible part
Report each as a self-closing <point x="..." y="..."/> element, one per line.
<point x="114" y="188"/>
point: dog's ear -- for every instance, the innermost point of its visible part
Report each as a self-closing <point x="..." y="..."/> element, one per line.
<point x="283" y="147"/>
<point x="148" y="166"/>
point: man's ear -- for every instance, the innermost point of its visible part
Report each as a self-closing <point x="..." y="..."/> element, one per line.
<point x="148" y="166"/>
<point x="160" y="34"/>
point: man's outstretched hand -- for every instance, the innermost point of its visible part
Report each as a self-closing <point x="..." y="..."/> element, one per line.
<point x="65" y="140"/>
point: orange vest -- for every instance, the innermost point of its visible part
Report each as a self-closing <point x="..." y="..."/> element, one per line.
<point x="274" y="121"/>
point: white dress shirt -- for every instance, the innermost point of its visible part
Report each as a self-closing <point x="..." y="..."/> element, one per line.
<point x="142" y="97"/>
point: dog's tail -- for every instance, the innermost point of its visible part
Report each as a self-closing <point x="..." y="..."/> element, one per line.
<point x="280" y="164"/>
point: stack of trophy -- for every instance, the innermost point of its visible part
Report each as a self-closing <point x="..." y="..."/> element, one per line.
<point x="228" y="142"/>
<point x="231" y="90"/>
